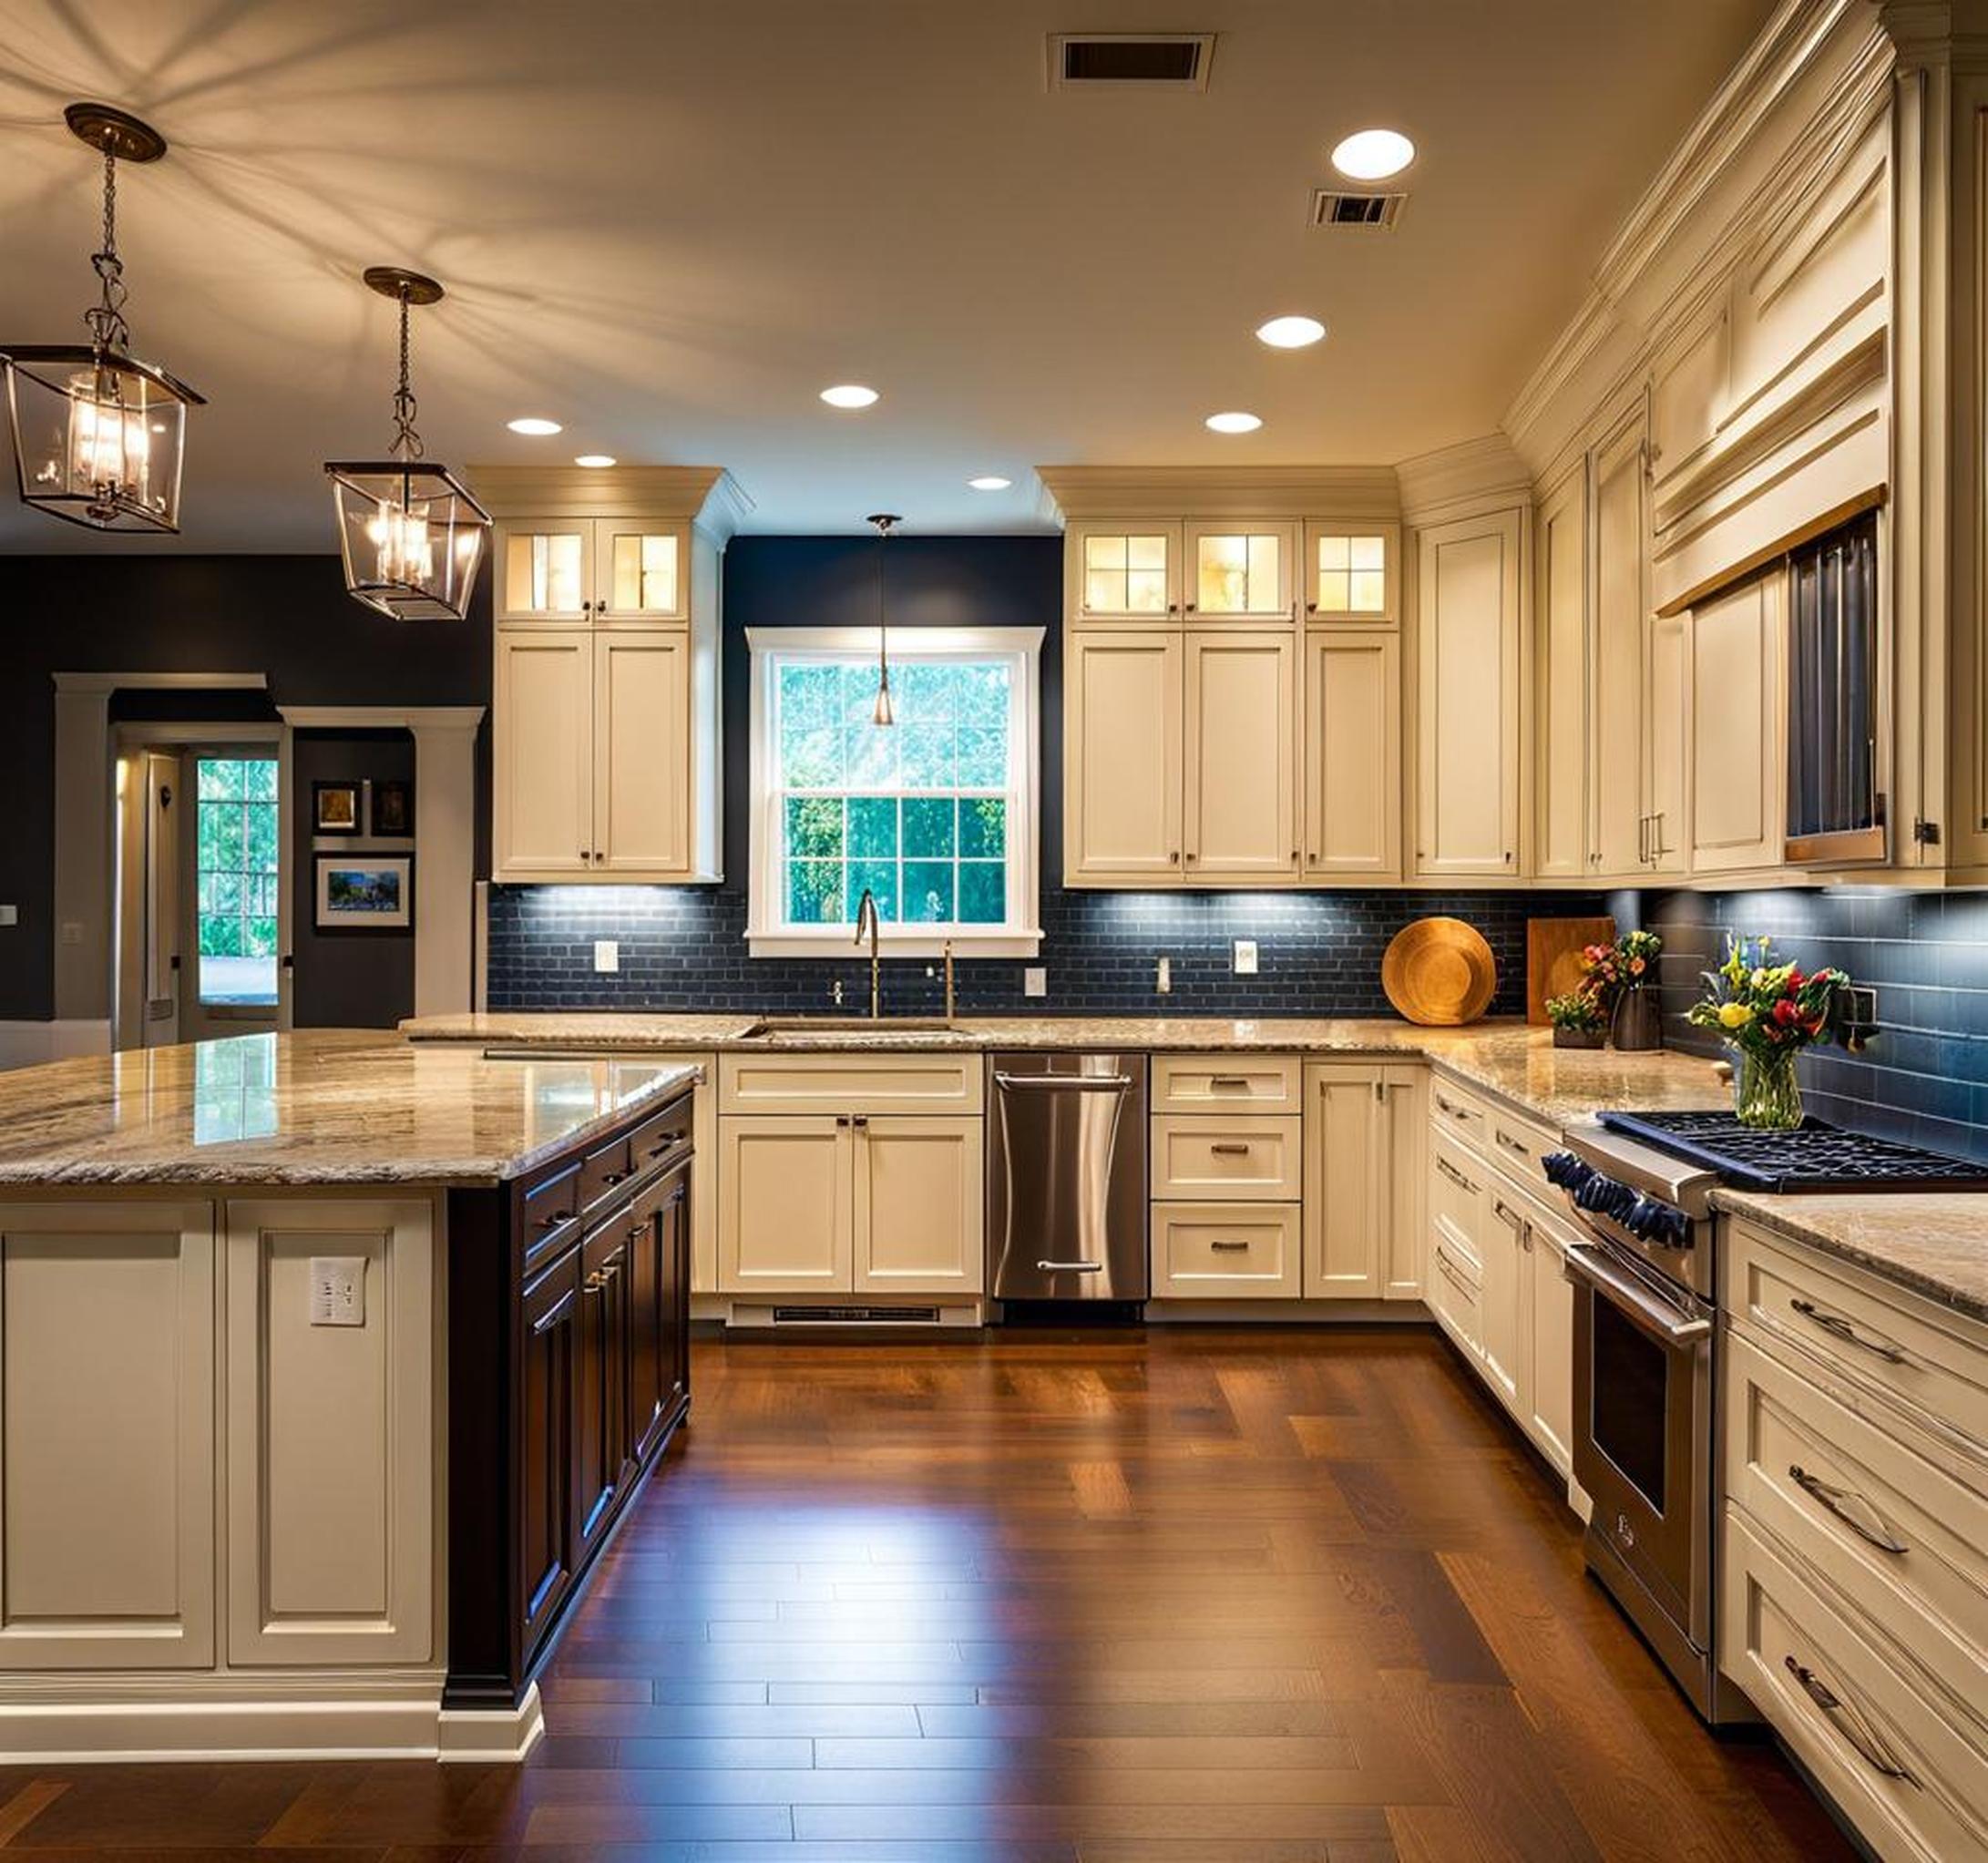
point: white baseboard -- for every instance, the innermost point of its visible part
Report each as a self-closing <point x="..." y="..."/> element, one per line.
<point x="29" y="1044"/>
<point x="53" y="1733"/>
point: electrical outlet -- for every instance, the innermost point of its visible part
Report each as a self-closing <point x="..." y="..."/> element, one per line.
<point x="10" y="915"/>
<point x="72" y="931"/>
<point x="1245" y="956"/>
<point x="1035" y="980"/>
<point x="1863" y="1005"/>
<point x="338" y="1290"/>
<point x="607" y="954"/>
<point x="1162" y="978"/>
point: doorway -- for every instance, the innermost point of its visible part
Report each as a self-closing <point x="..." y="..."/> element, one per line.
<point x="231" y="847"/>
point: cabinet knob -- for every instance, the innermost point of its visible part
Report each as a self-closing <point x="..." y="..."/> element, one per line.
<point x="1190" y="608"/>
<point x="600" y="607"/>
<point x="1311" y="608"/>
<point x="586" y="608"/>
<point x="1176" y="856"/>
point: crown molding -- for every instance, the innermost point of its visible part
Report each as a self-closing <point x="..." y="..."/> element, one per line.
<point x="1219" y="491"/>
<point x="1477" y="475"/>
<point x="706" y="496"/>
<point x="376" y="717"/>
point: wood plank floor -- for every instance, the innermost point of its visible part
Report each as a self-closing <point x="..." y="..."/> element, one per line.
<point x="1254" y="1596"/>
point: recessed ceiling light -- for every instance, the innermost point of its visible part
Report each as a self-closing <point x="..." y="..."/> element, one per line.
<point x="1291" y="333"/>
<point x="536" y="424"/>
<point x="594" y="460"/>
<point x="1372" y="154"/>
<point x="990" y="481"/>
<point x="850" y="395"/>
<point x="1235" y="422"/>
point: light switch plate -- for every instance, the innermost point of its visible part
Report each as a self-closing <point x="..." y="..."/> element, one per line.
<point x="1035" y="980"/>
<point x="338" y="1290"/>
<point x="1162" y="978"/>
<point x="10" y="915"/>
<point x="607" y="954"/>
<point x="1245" y="956"/>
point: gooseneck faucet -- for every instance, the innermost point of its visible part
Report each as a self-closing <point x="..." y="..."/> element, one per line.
<point x="867" y="920"/>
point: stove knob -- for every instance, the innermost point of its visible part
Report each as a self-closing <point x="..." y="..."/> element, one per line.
<point x="1562" y="1167"/>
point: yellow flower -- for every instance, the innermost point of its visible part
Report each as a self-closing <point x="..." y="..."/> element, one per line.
<point x="1734" y="1015"/>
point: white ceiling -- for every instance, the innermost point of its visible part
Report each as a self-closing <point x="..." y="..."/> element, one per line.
<point x="670" y="225"/>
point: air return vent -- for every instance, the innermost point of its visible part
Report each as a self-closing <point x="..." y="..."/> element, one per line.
<point x="1330" y="207"/>
<point x="1130" y="61"/>
<point x="856" y="1316"/>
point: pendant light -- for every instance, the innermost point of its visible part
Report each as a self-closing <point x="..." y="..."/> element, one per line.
<point x="99" y="436"/>
<point x="886" y="711"/>
<point x="411" y="535"/>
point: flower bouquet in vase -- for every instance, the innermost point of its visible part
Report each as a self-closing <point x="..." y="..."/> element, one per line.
<point x="1578" y="1019"/>
<point x="1767" y="1013"/>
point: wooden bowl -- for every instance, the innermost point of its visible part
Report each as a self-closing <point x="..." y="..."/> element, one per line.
<point x="1439" y="972"/>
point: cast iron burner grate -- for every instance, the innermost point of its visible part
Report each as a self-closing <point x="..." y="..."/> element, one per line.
<point x="1814" y="1157"/>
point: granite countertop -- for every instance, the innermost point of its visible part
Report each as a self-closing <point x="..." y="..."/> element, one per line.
<point x="311" y="1107"/>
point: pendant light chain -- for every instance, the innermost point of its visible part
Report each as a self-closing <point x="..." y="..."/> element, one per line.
<point x="406" y="441"/>
<point x="107" y="328"/>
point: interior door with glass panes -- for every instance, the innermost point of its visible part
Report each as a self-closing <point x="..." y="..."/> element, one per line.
<point x="229" y="841"/>
<point x="1238" y="571"/>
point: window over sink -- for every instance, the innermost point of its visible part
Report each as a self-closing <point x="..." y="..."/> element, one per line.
<point x="935" y="816"/>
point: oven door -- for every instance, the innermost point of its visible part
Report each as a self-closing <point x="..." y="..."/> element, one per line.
<point x="1643" y="1427"/>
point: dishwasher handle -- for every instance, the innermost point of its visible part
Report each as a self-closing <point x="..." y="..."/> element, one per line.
<point x="1065" y="1083"/>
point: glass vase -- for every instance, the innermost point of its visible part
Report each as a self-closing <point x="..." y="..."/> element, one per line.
<point x="1766" y="1091"/>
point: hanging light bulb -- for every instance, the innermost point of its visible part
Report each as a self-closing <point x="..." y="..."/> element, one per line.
<point x="99" y="437"/>
<point x="885" y="712"/>
<point x="411" y="533"/>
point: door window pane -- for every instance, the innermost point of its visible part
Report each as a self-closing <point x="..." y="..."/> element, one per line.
<point x="645" y="572"/>
<point x="1632" y="1400"/>
<point x="236" y="878"/>
<point x="542" y="572"/>
<point x="1125" y="575"/>
<point x="1352" y="575"/>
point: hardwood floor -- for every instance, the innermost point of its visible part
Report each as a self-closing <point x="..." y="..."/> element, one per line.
<point x="1257" y="1596"/>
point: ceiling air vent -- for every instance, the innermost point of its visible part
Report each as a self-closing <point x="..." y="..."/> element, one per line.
<point x="1130" y="61"/>
<point x="1330" y="207"/>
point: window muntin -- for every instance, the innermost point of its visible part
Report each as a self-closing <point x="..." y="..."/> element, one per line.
<point x="1125" y="574"/>
<point x="1351" y="573"/>
<point x="236" y="876"/>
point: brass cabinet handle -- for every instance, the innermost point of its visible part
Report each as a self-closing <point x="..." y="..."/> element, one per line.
<point x="1230" y="1148"/>
<point x="1450" y="1271"/>
<point x="1455" y="1176"/>
<point x="1512" y="1144"/>
<point x="1506" y="1215"/>
<point x="1837" y="1499"/>
<point x="1856" y="1730"/>
<point x="1228" y="1080"/>
<point x="1226" y="1245"/>
<point x="1838" y="1327"/>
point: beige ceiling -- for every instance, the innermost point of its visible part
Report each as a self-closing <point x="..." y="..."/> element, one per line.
<point x="669" y="225"/>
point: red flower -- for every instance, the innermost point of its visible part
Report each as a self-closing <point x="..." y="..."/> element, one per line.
<point x="1786" y="1011"/>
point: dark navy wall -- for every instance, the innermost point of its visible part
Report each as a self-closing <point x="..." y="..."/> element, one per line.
<point x="1320" y="953"/>
<point x="1925" y="1078"/>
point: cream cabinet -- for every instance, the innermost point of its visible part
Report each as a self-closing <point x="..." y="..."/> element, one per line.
<point x="1225" y="1252"/>
<point x="542" y="759"/>
<point x="1469" y="655"/>
<point x="1560" y="835"/>
<point x="1617" y="812"/>
<point x="1123" y="571"/>
<point x="1238" y="571"/>
<point x="850" y="1202"/>
<point x="1365" y="1129"/>
<point x="1546" y="1346"/>
<point x="1352" y="749"/>
<point x="641" y="777"/>
<point x="1351" y="571"/>
<point x="1239" y="761"/>
<point x="1665" y="733"/>
<point x="1734" y="752"/>
<point x="555" y="569"/>
<point x="1121" y="758"/>
<point x="1502" y="1298"/>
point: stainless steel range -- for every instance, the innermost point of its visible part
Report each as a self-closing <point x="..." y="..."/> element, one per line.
<point x="1646" y="1342"/>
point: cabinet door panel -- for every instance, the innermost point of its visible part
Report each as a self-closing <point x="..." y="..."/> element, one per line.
<point x="1226" y="1251"/>
<point x="784" y="1218"/>
<point x="1561" y="848"/>
<point x="1615" y="801"/>
<point x="642" y="570"/>
<point x="918" y="1205"/>
<point x="1122" y="572"/>
<point x="1466" y="804"/>
<point x="1351" y="572"/>
<point x="1401" y="1162"/>
<point x="1238" y="571"/>
<point x="1738" y="809"/>
<point x="1549" y="1355"/>
<point x="657" y="1313"/>
<point x="600" y="1389"/>
<point x="545" y="570"/>
<point x="642" y="751"/>
<point x="542" y="751"/>
<point x="550" y="1314"/>
<point x="1667" y="683"/>
<point x="1344" y="1214"/>
<point x="1501" y="1238"/>
<point x="1122" y="756"/>
<point x="1240" y="756"/>
<point x="1352" y="755"/>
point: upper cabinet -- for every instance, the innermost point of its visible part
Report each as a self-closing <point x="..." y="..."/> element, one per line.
<point x="1122" y="571"/>
<point x="1351" y="571"/>
<point x="1469" y="630"/>
<point x="1560" y="559"/>
<point x="605" y="714"/>
<point x="1238" y="571"/>
<point x="1735" y="765"/>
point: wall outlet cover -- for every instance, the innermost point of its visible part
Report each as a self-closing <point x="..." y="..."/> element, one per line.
<point x="1035" y="980"/>
<point x="10" y="915"/>
<point x="607" y="954"/>
<point x="338" y="1290"/>
<point x="1245" y="956"/>
<point x="1162" y="978"/>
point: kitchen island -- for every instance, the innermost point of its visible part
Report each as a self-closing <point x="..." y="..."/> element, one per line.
<point x="327" y="1364"/>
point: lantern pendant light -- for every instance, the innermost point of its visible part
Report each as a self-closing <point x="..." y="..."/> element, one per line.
<point x="886" y="711"/>
<point x="411" y="535"/>
<point x="99" y="436"/>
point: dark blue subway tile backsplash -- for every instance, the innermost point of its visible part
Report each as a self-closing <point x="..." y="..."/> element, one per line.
<point x="684" y="948"/>
<point x="1924" y="1078"/>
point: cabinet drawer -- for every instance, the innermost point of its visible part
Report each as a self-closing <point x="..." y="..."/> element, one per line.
<point x="1454" y="1296"/>
<point x="550" y="1216"/>
<point x="1858" y="1330"/>
<point x="849" y="1084"/>
<point x="1457" y="1199"/>
<point x="1459" y="1111"/>
<point x="1227" y="1083"/>
<point x="1199" y="1155"/>
<point x="1225" y="1250"/>
<point x="1902" y="1539"/>
<point x="603" y="1170"/>
<point x="1850" y="1707"/>
<point x="659" y="1134"/>
<point x="1517" y="1145"/>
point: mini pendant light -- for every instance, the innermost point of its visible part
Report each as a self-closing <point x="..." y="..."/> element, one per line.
<point x="886" y="711"/>
<point x="99" y="438"/>
<point x="411" y="535"/>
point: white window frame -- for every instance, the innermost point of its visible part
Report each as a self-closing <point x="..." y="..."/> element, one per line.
<point x="1021" y="935"/>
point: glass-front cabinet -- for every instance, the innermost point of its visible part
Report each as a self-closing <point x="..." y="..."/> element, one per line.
<point x="1351" y="572"/>
<point x="640" y="569"/>
<point x="1238" y="571"/>
<point x="1123" y="572"/>
<point x="585" y="569"/>
<point x="545" y="570"/>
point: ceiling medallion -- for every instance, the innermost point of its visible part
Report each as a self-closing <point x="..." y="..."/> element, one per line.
<point x="411" y="535"/>
<point x="99" y="436"/>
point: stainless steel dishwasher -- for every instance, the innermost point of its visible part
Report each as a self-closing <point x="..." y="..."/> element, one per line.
<point x="1066" y="1181"/>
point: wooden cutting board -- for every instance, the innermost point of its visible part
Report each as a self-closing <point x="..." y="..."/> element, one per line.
<point x="1552" y="956"/>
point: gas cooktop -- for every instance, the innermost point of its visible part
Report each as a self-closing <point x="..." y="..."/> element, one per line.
<point x="1814" y="1157"/>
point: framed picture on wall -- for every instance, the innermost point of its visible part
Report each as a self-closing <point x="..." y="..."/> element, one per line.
<point x="365" y="892"/>
<point x="392" y="807"/>
<point x="334" y="808"/>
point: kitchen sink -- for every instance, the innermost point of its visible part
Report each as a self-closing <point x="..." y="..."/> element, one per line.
<point x="772" y="1028"/>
